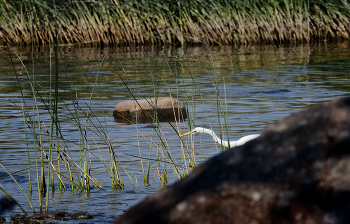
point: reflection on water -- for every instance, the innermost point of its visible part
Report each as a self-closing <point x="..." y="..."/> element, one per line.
<point x="256" y="86"/>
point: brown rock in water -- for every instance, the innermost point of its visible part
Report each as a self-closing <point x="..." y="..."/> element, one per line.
<point x="54" y="215"/>
<point x="80" y="215"/>
<point x="20" y="219"/>
<point x="297" y="171"/>
<point x="62" y="216"/>
<point x="167" y="109"/>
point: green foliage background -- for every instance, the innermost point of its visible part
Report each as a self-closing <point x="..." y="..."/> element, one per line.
<point x="127" y="22"/>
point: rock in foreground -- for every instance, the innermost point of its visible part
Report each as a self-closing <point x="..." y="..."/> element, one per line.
<point x="297" y="171"/>
<point x="167" y="109"/>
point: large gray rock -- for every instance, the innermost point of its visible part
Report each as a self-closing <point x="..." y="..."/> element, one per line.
<point x="297" y="171"/>
<point x="167" y="109"/>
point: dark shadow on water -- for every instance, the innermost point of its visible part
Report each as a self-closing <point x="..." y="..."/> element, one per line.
<point x="276" y="91"/>
<point x="6" y="204"/>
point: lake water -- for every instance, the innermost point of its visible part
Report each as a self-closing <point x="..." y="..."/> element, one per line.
<point x="251" y="86"/>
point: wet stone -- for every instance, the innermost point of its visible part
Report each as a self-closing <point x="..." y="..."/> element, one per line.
<point x="80" y="215"/>
<point x="54" y="215"/>
<point x="2" y="219"/>
<point x="145" y="110"/>
<point x="35" y="222"/>
<point x="41" y="218"/>
<point x="57" y="215"/>
<point x="20" y="219"/>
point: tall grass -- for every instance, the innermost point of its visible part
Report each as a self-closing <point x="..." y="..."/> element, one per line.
<point x="47" y="138"/>
<point x="58" y="165"/>
<point x="169" y="22"/>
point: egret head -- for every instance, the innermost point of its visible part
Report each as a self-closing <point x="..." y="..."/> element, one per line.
<point x="194" y="131"/>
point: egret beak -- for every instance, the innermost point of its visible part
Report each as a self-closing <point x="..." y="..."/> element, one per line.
<point x="185" y="134"/>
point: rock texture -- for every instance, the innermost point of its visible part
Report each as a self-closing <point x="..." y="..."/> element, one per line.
<point x="43" y="218"/>
<point x="297" y="171"/>
<point x="167" y="109"/>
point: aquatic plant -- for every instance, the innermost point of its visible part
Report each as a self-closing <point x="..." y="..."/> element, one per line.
<point x="64" y="162"/>
<point x="121" y="22"/>
<point x="43" y="120"/>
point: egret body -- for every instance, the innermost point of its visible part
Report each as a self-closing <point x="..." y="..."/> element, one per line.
<point x="239" y="142"/>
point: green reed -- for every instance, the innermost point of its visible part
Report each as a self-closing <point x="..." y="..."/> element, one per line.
<point x="54" y="164"/>
<point x="162" y="150"/>
<point x="48" y="138"/>
<point x="121" y="22"/>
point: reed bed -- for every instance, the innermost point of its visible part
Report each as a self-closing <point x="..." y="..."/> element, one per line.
<point x="54" y="166"/>
<point x="55" y="162"/>
<point x="117" y="22"/>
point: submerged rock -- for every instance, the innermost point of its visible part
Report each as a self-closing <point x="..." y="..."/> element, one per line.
<point x="20" y="219"/>
<point x="167" y="109"/>
<point x="80" y="215"/>
<point x="54" y="215"/>
<point x="297" y="171"/>
<point x="62" y="216"/>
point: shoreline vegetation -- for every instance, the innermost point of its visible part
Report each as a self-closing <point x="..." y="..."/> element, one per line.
<point x="117" y="22"/>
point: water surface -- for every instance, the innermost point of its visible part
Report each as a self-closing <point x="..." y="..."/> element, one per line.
<point x="252" y="86"/>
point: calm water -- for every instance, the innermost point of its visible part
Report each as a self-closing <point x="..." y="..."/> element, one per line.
<point x="256" y="85"/>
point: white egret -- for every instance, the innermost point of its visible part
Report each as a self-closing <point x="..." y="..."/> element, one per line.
<point x="239" y="142"/>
